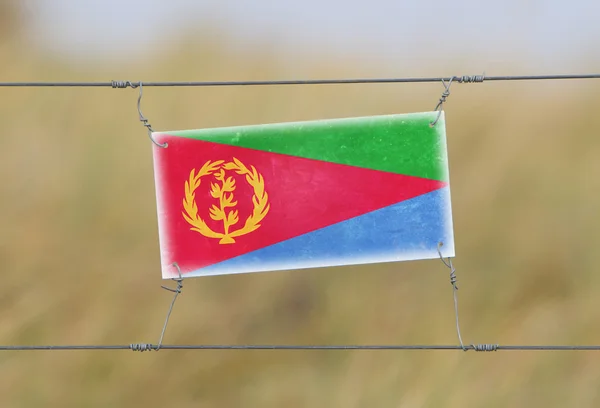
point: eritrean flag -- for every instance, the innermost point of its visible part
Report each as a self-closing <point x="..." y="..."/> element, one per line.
<point x="303" y="194"/>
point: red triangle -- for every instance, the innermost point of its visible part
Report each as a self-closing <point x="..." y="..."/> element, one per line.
<point x="303" y="195"/>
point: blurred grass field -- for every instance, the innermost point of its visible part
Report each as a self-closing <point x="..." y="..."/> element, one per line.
<point x="80" y="261"/>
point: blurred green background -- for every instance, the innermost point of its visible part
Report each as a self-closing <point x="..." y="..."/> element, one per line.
<point x="80" y="259"/>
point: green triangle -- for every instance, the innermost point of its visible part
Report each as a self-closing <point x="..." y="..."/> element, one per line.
<point x="403" y="144"/>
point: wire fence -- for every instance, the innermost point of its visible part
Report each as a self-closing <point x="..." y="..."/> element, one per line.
<point x="153" y="347"/>
<point x="459" y="79"/>
<point x="446" y="81"/>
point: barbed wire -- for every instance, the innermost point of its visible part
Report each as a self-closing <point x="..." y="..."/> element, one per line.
<point x="459" y="79"/>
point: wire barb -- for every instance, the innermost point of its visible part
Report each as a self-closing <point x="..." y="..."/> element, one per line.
<point x="143" y="118"/>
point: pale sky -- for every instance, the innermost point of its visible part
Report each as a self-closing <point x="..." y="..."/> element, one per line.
<point x="550" y="36"/>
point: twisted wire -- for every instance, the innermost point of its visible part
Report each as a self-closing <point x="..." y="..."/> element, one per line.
<point x="443" y="98"/>
<point x="141" y="347"/>
<point x="124" y="84"/>
<point x="485" y="347"/>
<point x="466" y="79"/>
<point x="142" y="118"/>
<point x="177" y="291"/>
<point x="453" y="282"/>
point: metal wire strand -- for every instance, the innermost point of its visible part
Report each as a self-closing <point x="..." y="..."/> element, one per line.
<point x="177" y="291"/>
<point x="142" y="118"/>
<point x="443" y="98"/>
<point x="461" y="79"/>
<point x="147" y="347"/>
<point x="453" y="282"/>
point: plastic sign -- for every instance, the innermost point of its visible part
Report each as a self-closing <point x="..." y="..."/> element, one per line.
<point x="303" y="195"/>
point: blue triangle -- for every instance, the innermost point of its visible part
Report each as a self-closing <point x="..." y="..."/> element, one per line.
<point x="408" y="230"/>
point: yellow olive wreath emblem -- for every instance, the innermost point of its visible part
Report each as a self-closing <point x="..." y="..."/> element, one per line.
<point x="223" y="191"/>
